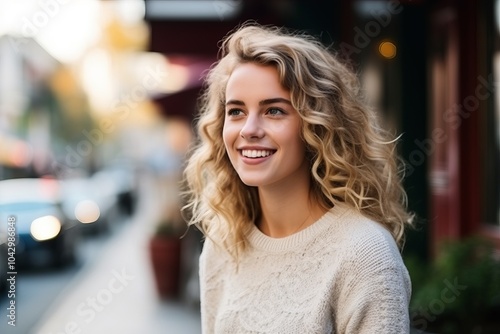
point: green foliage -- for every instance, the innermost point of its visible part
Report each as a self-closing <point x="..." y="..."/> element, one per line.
<point x="459" y="291"/>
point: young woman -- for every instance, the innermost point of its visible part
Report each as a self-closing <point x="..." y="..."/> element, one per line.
<point x="297" y="190"/>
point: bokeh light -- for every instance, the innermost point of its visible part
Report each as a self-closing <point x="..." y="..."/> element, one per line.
<point x="387" y="49"/>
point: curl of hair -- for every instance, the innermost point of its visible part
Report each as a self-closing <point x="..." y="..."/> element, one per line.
<point x="352" y="158"/>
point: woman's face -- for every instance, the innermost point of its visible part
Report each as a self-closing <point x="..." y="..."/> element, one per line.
<point x="261" y="128"/>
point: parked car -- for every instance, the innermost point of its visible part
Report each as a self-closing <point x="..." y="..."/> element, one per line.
<point x="118" y="181"/>
<point x="89" y="203"/>
<point x="44" y="235"/>
<point x="102" y="199"/>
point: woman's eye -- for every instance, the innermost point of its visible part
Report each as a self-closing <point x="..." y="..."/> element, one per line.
<point x="275" y="111"/>
<point x="234" y="112"/>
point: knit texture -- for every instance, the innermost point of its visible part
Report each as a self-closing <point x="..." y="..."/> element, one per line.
<point x="343" y="274"/>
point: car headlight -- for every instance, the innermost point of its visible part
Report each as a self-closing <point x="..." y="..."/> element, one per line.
<point x="87" y="211"/>
<point x="45" y="228"/>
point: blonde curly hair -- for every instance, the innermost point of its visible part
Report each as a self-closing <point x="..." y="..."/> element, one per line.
<point x="352" y="159"/>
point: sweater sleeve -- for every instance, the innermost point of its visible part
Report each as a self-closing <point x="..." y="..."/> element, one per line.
<point x="376" y="290"/>
<point x="207" y="290"/>
<point x="213" y="264"/>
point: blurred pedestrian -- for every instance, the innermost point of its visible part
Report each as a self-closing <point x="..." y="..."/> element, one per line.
<point x="297" y="190"/>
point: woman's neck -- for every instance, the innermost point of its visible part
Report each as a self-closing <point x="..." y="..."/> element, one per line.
<point x="287" y="209"/>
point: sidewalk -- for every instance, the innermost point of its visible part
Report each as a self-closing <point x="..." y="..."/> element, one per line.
<point x="116" y="293"/>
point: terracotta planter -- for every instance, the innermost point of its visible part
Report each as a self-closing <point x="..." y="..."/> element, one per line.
<point x="165" y="255"/>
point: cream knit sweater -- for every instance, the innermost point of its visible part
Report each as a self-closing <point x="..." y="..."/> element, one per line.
<point x="343" y="274"/>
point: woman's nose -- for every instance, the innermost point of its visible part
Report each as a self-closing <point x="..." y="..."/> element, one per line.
<point x="252" y="128"/>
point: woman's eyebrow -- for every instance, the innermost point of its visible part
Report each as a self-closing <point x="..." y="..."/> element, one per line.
<point x="237" y="102"/>
<point x="274" y="100"/>
<point x="263" y="102"/>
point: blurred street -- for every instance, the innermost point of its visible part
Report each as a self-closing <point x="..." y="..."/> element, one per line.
<point x="110" y="290"/>
<point x="36" y="290"/>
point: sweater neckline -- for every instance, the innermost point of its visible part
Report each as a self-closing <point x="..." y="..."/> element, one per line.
<point x="259" y="240"/>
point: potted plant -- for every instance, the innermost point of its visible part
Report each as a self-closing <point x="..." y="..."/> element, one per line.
<point x="459" y="292"/>
<point x="165" y="253"/>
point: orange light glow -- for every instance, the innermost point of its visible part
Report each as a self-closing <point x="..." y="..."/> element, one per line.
<point x="387" y="50"/>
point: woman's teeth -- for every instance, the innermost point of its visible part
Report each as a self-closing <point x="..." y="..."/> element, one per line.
<point x="256" y="153"/>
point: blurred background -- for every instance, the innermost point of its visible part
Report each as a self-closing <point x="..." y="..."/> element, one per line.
<point x="97" y="106"/>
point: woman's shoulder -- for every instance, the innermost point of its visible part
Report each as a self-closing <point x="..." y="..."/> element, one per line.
<point x="368" y="250"/>
<point x="360" y="235"/>
<point x="214" y="260"/>
<point x="213" y="248"/>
